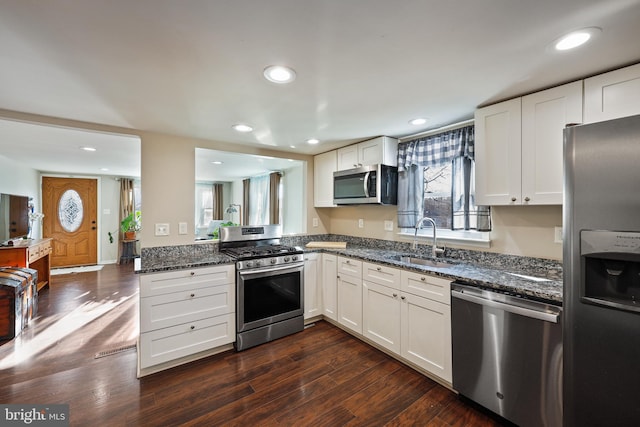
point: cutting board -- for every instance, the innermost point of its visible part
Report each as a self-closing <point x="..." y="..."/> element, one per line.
<point x="329" y="245"/>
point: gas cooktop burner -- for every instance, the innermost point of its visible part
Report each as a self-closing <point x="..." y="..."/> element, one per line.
<point x="248" y="252"/>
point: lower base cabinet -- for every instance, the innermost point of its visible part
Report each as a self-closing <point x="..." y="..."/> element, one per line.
<point x="350" y="302"/>
<point x="426" y="334"/>
<point x="381" y="315"/>
<point x="184" y="315"/>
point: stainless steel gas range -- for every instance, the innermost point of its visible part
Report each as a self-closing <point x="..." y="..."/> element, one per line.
<point x="269" y="283"/>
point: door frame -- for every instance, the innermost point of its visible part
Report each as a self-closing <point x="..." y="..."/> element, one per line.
<point x="98" y="179"/>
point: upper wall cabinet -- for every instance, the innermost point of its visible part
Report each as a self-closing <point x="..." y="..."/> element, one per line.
<point x="324" y="165"/>
<point x="380" y="150"/>
<point x="612" y="95"/>
<point x="518" y="147"/>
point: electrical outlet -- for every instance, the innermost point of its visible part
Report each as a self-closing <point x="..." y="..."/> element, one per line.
<point x="388" y="225"/>
<point x="558" y="235"/>
<point x="315" y="222"/>
<point x="182" y="228"/>
<point x="361" y="223"/>
<point x="162" y="229"/>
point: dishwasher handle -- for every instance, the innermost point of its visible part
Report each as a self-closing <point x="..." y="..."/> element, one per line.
<point x="511" y="308"/>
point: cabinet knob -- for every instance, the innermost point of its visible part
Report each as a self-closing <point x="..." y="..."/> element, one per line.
<point x="379" y="268"/>
<point x="526" y="199"/>
<point x="423" y="279"/>
<point x="348" y="262"/>
<point x="513" y="199"/>
<point x="395" y="295"/>
<point x="192" y="327"/>
<point x="193" y="295"/>
<point x="192" y="273"/>
<point x="338" y="277"/>
<point x="403" y="298"/>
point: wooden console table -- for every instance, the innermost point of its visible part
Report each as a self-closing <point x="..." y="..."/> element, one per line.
<point x="32" y="253"/>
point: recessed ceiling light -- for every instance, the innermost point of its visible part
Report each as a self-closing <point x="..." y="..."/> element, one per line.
<point x="242" y="127"/>
<point x="292" y="146"/>
<point x="312" y="141"/>
<point x="576" y="38"/>
<point x="279" y="74"/>
<point x="217" y="162"/>
<point x="104" y="169"/>
<point x="88" y="148"/>
<point x="418" y="121"/>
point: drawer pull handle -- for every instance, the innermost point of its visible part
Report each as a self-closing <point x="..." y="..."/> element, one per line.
<point x="193" y="295"/>
<point x="192" y="327"/>
<point x="379" y="268"/>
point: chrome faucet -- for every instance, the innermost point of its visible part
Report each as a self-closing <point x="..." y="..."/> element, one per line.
<point x="435" y="250"/>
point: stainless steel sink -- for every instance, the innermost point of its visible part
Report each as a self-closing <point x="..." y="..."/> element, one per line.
<point x="427" y="262"/>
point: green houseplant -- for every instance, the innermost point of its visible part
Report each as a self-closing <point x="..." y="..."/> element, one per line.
<point x="130" y="224"/>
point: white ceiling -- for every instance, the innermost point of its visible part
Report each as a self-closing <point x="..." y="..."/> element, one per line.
<point x="364" y="67"/>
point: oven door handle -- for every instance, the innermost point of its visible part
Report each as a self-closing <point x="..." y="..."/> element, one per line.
<point x="269" y="269"/>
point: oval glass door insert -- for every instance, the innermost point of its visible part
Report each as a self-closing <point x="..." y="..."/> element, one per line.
<point x="70" y="211"/>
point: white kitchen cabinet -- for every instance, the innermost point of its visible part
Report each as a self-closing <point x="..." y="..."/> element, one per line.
<point x="184" y="315"/>
<point x="381" y="305"/>
<point x="380" y="150"/>
<point x="426" y="334"/>
<point x="312" y="285"/>
<point x="324" y="165"/>
<point x="612" y="95"/>
<point x="330" y="286"/>
<point x="350" y="294"/>
<point x="518" y="147"/>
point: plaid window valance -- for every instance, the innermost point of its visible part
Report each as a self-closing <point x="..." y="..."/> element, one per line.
<point x="436" y="150"/>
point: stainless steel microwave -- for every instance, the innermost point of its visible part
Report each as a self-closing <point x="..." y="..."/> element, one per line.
<point x="375" y="184"/>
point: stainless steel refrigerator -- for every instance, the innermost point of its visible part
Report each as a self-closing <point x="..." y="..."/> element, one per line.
<point x="601" y="336"/>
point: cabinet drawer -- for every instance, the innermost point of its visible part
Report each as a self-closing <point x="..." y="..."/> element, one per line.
<point x="34" y="253"/>
<point x="382" y="275"/>
<point x="426" y="286"/>
<point x="349" y="266"/>
<point x="188" y="279"/>
<point x="167" y="344"/>
<point x="161" y="311"/>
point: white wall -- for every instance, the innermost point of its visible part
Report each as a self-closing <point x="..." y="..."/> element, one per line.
<point x="21" y="180"/>
<point x="293" y="216"/>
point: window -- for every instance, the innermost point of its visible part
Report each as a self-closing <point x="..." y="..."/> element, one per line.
<point x="204" y="204"/>
<point x="436" y="179"/>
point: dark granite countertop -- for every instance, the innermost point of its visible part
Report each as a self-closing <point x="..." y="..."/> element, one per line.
<point x="482" y="269"/>
<point x="547" y="288"/>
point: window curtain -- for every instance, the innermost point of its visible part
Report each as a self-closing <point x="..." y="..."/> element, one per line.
<point x="456" y="147"/>
<point x="259" y="196"/>
<point x="127" y="205"/>
<point x="274" y="197"/>
<point x="218" y="209"/>
<point x="246" y="185"/>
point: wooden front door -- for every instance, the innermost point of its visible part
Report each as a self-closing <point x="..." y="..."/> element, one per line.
<point x="70" y="208"/>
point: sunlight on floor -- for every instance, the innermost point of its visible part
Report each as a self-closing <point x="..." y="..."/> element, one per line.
<point x="48" y="336"/>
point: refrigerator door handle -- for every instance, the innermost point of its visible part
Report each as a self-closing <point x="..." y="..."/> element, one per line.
<point x="511" y="308"/>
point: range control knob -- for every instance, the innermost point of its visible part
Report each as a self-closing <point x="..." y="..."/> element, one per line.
<point x="274" y="260"/>
<point x="248" y="264"/>
<point x="286" y="259"/>
<point x="258" y="263"/>
<point x="294" y="258"/>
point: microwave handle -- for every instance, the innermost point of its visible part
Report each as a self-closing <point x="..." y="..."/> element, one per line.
<point x="366" y="184"/>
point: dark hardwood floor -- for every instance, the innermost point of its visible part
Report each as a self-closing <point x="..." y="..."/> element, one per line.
<point x="319" y="377"/>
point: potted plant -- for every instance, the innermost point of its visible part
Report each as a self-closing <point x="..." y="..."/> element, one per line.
<point x="130" y="224"/>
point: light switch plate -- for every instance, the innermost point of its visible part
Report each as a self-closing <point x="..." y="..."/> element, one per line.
<point x="162" y="229"/>
<point x="182" y="228"/>
<point x="315" y="222"/>
<point x="388" y="225"/>
<point x="557" y="235"/>
<point x="361" y="223"/>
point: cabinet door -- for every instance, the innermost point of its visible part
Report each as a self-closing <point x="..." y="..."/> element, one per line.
<point x="371" y="152"/>
<point x="330" y="286"/>
<point x="381" y="315"/>
<point x="312" y="288"/>
<point x="612" y="95"/>
<point x="498" y="153"/>
<point x="348" y="157"/>
<point x="544" y="117"/>
<point x="350" y="302"/>
<point x="324" y="165"/>
<point x="426" y="334"/>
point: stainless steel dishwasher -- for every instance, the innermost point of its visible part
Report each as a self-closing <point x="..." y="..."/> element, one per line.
<point x="507" y="354"/>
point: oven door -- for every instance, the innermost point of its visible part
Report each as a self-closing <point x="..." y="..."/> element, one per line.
<point x="269" y="295"/>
